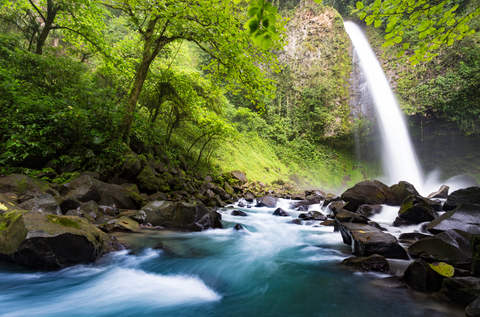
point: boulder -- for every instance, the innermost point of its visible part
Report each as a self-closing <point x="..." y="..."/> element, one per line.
<point x="24" y="185"/>
<point x="40" y="240"/>
<point x="470" y="195"/>
<point x="441" y="193"/>
<point x="238" y="227"/>
<point x="335" y="207"/>
<point x="298" y="196"/>
<point x="115" y="196"/>
<point x="398" y="222"/>
<point x="464" y="217"/>
<point x="82" y="189"/>
<point x="132" y="166"/>
<point x="91" y="209"/>
<point x="366" y="240"/>
<point x="137" y="215"/>
<point x="121" y="224"/>
<point x="280" y="212"/>
<point x="420" y="276"/>
<point x="402" y="190"/>
<point x="348" y="216"/>
<point x="222" y="193"/>
<point x="238" y="213"/>
<point x="413" y="236"/>
<point x="239" y="176"/>
<point x="67" y="203"/>
<point x="313" y="215"/>
<point x="307" y="202"/>
<point x="369" y="210"/>
<point x="460" y="290"/>
<point x="451" y="246"/>
<point x="473" y="309"/>
<point x="416" y="210"/>
<point x="370" y="193"/>
<point x="373" y="263"/>
<point x="330" y="198"/>
<point x="7" y="204"/>
<point x="147" y="180"/>
<point x="43" y="203"/>
<point x="181" y="215"/>
<point x="267" y="201"/>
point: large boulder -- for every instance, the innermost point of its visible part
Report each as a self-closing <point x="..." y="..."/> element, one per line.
<point x="419" y="275"/>
<point x="307" y="202"/>
<point x="330" y="198"/>
<point x="132" y="166"/>
<point x="348" y="216"/>
<point x="464" y="217"/>
<point x="39" y="240"/>
<point x="148" y="181"/>
<point x="373" y="263"/>
<point x="369" y="210"/>
<point x="267" y="201"/>
<point x="370" y="193"/>
<point x="441" y="193"/>
<point x="123" y="224"/>
<point x="416" y="210"/>
<point x="460" y="290"/>
<point x="452" y="247"/>
<point x="82" y="189"/>
<point x="43" y="203"/>
<point x="334" y="207"/>
<point x="473" y="309"/>
<point x="238" y="176"/>
<point x="366" y="240"/>
<point x="281" y="213"/>
<point x="24" y="185"/>
<point x="181" y="215"/>
<point x="402" y="190"/>
<point x="115" y="196"/>
<point x="470" y="195"/>
<point x="7" y="204"/>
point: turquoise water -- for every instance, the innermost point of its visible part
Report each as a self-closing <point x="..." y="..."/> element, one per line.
<point x="271" y="269"/>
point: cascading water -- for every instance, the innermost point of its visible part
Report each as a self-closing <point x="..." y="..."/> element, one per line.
<point x="399" y="157"/>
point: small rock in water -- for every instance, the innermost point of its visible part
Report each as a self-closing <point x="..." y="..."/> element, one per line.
<point x="280" y="212"/>
<point x="238" y="213"/>
<point x="248" y="206"/>
<point x="238" y="227"/>
<point x="296" y="222"/>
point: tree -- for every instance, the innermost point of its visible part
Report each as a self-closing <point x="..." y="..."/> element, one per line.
<point x="80" y="20"/>
<point x="437" y="23"/>
<point x="215" y="27"/>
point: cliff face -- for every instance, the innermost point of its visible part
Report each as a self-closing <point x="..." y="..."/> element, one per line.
<point x="312" y="89"/>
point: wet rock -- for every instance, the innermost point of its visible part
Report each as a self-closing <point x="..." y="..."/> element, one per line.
<point x="399" y="222"/>
<point x="238" y="227"/>
<point x="369" y="210"/>
<point x="460" y="290"/>
<point x="366" y="240"/>
<point x="328" y="223"/>
<point x="441" y="193"/>
<point x="238" y="213"/>
<point x="44" y="241"/>
<point x="376" y="225"/>
<point x="413" y="236"/>
<point x="307" y="202"/>
<point x="298" y="196"/>
<point x="464" y="217"/>
<point x="115" y="196"/>
<point x="420" y="276"/>
<point x="373" y="263"/>
<point x="402" y="190"/>
<point x="330" y="198"/>
<point x="473" y="309"/>
<point x="280" y="212"/>
<point x="348" y="216"/>
<point x="336" y="206"/>
<point x="121" y="224"/>
<point x="470" y="195"/>
<point x="249" y="197"/>
<point x="313" y="215"/>
<point x="181" y="215"/>
<point x="108" y="210"/>
<point x="416" y="210"/>
<point x="7" y="204"/>
<point x="370" y="193"/>
<point x="137" y="215"/>
<point x="241" y="204"/>
<point x="43" y="203"/>
<point x="450" y="246"/>
<point x="67" y="203"/>
<point x="296" y="222"/>
<point x="267" y="201"/>
<point x="24" y="185"/>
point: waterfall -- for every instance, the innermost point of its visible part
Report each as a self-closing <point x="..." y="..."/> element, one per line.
<point x="399" y="160"/>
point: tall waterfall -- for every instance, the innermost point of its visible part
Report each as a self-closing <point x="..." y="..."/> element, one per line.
<point x="399" y="158"/>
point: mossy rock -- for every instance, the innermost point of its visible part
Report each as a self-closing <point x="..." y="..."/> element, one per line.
<point x="7" y="204"/>
<point x="147" y="180"/>
<point x="22" y="185"/>
<point x="44" y="241"/>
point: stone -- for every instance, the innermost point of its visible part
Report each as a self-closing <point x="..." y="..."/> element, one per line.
<point x="239" y="176"/>
<point x="42" y="203"/>
<point x="280" y="212"/>
<point x="348" y="216"/>
<point x="441" y="193"/>
<point x="398" y="222"/>
<point x="313" y="215"/>
<point x="157" y="196"/>
<point x="238" y="213"/>
<point x="465" y="218"/>
<point x="24" y="185"/>
<point x="460" y="290"/>
<point x="307" y="202"/>
<point x="470" y="195"/>
<point x="115" y="196"/>
<point x="372" y="263"/>
<point x="330" y="198"/>
<point x="147" y="180"/>
<point x="366" y="240"/>
<point x="267" y="201"/>
<point x="328" y="223"/>
<point x="335" y="207"/>
<point x="473" y="309"/>
<point x="181" y="215"/>
<point x="132" y="166"/>
<point x="238" y="227"/>
<point x="67" y="203"/>
<point x="302" y="208"/>
<point x="450" y="246"/>
<point x="370" y="193"/>
<point x="369" y="210"/>
<point x="7" y="204"/>
<point x="416" y="210"/>
<point x="222" y="193"/>
<point x="296" y="222"/>
<point x="298" y="196"/>
<point x="413" y="236"/>
<point x="90" y="208"/>
<point x="38" y="240"/>
<point x="402" y="190"/>
<point x="420" y="276"/>
<point x="121" y="224"/>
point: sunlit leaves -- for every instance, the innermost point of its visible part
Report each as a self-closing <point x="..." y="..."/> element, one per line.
<point x="261" y="23"/>
<point x="434" y="23"/>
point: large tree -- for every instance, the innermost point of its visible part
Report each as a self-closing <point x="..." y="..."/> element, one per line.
<point x="217" y="27"/>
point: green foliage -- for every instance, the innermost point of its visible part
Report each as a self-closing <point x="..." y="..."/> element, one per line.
<point x="64" y="221"/>
<point x="435" y="24"/>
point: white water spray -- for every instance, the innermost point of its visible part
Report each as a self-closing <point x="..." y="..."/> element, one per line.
<point x="399" y="157"/>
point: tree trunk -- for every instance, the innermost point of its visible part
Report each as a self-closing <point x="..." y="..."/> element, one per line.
<point x="42" y="38"/>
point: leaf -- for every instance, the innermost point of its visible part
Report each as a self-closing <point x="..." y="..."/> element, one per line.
<point x="397" y="39"/>
<point x="450" y="42"/>
<point x="359" y="5"/>
<point x="252" y="11"/>
<point x="400" y="54"/>
<point x="406" y="46"/>
<point x="253" y="25"/>
<point x="443" y="268"/>
<point x="3" y="207"/>
<point x="377" y="23"/>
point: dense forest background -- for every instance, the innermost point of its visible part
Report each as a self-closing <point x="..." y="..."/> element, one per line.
<point x="211" y="101"/>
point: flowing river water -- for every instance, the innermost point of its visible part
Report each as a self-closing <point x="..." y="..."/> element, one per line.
<point x="273" y="268"/>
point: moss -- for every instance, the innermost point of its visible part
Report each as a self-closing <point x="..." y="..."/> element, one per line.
<point x="7" y="218"/>
<point x="64" y="221"/>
